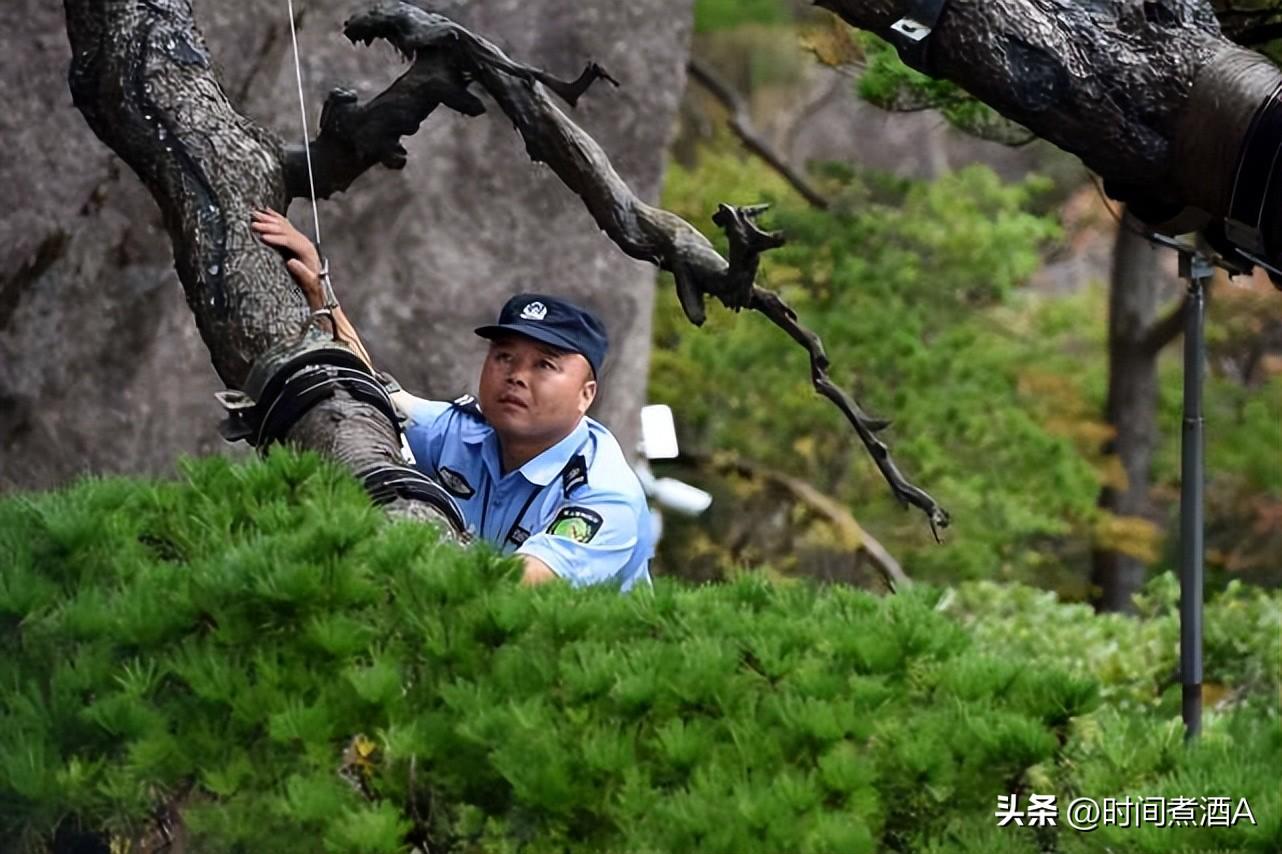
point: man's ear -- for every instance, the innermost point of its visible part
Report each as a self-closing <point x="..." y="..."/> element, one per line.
<point x="587" y="394"/>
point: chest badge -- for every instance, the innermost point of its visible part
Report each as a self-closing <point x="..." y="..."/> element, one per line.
<point x="455" y="483"/>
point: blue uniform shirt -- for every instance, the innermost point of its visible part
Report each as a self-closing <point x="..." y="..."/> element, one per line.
<point x="578" y="506"/>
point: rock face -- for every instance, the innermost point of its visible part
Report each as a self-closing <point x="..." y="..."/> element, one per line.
<point x="101" y="368"/>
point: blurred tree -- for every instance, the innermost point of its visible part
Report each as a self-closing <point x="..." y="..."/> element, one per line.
<point x="1125" y="541"/>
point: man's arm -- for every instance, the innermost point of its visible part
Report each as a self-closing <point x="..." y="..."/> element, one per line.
<point x="536" y="572"/>
<point x="588" y="541"/>
<point x="275" y="230"/>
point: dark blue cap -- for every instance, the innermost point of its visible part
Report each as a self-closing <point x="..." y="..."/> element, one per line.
<point x="554" y="321"/>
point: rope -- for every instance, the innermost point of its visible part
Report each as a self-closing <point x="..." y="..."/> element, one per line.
<point x="302" y="111"/>
<point x="331" y="300"/>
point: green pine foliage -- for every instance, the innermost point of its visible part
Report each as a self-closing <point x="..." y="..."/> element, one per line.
<point x="1134" y="744"/>
<point x="892" y="85"/>
<point x="258" y="650"/>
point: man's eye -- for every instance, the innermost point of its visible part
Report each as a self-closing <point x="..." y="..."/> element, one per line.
<point x="547" y="364"/>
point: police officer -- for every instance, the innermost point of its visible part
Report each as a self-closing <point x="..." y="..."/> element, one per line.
<point x="531" y="472"/>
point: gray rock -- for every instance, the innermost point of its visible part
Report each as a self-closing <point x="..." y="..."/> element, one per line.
<point x="101" y="368"/>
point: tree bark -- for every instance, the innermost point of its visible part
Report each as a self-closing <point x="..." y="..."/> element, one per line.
<point x="142" y="78"/>
<point x="1135" y="338"/>
<point x="1150" y="95"/>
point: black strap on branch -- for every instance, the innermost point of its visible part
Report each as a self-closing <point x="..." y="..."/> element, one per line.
<point x="1257" y="187"/>
<point x="308" y="387"/>
<point x="283" y="387"/>
<point x="386" y="483"/>
<point x="911" y="34"/>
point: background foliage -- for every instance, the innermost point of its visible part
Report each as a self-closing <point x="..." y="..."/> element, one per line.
<point x="996" y="391"/>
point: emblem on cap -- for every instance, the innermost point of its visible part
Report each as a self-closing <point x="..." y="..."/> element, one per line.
<point x="534" y="311"/>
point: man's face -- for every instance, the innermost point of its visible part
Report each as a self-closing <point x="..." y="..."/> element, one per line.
<point x="532" y="392"/>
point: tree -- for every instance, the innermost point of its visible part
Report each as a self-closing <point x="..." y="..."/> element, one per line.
<point x="1137" y="139"/>
<point x="101" y="367"/>
<point x="1136" y="336"/>
<point x="164" y="125"/>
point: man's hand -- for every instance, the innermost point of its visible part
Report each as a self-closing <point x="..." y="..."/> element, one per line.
<point x="305" y="265"/>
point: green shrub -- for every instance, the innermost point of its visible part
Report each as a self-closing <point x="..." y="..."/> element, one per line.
<point x="259" y="651"/>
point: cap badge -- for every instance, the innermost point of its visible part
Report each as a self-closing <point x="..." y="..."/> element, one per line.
<point x="534" y="311"/>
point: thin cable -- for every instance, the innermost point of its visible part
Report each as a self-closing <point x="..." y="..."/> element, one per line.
<point x="327" y="288"/>
<point x="302" y="109"/>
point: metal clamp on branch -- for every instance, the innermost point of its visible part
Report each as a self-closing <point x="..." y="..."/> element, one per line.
<point x="287" y="381"/>
<point x="291" y="380"/>
<point x="911" y="33"/>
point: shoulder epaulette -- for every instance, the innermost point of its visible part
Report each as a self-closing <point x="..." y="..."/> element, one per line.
<point x="468" y="405"/>
<point x="574" y="475"/>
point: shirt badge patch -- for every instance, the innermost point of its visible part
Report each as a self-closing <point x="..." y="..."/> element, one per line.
<point x="576" y="523"/>
<point x="534" y="311"/>
<point x="455" y="483"/>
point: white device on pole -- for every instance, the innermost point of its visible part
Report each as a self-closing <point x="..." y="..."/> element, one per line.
<point x="659" y="442"/>
<point x="680" y="497"/>
<point x="658" y="432"/>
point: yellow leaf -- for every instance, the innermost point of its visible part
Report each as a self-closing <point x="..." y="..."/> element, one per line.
<point x="1134" y="536"/>
<point x="804" y="447"/>
<point x="831" y="43"/>
<point x="1111" y="472"/>
<point x="360" y="757"/>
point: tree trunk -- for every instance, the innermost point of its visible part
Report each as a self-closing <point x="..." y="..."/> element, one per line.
<point x="1135" y="339"/>
<point x="1149" y="95"/>
<point x="142" y="78"/>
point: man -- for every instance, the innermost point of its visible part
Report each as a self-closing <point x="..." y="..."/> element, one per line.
<point x="530" y="471"/>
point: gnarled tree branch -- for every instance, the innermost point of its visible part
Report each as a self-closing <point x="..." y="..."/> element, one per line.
<point x="642" y="231"/>
<point x="1150" y="95"/>
<point x="738" y="223"/>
